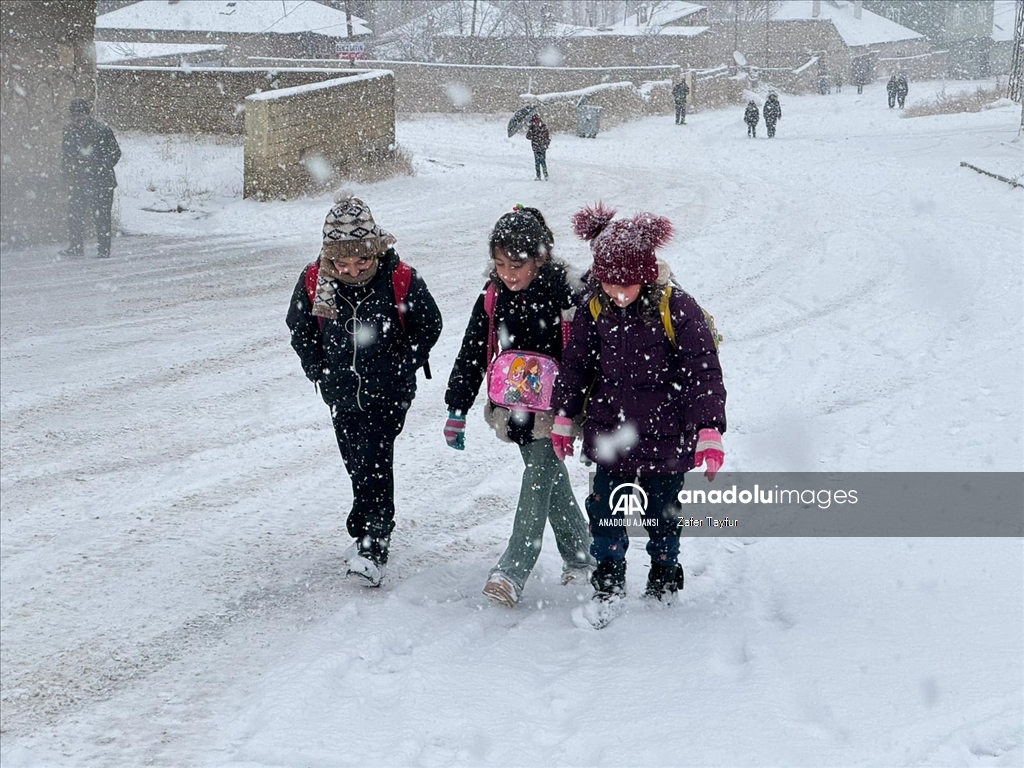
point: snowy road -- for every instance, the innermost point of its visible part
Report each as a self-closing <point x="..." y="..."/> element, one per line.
<point x="171" y="588"/>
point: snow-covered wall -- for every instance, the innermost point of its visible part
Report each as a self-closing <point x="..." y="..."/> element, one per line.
<point x="190" y="99"/>
<point x="309" y="137"/>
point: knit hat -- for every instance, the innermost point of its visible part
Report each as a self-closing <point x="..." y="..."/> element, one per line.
<point x="349" y="229"/>
<point x="623" y="249"/>
<point x="79" y="107"/>
<point x="522" y="234"/>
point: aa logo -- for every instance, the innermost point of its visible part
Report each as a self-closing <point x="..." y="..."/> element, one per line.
<point x="628" y="500"/>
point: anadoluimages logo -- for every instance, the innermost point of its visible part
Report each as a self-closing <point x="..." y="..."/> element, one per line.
<point x="628" y="499"/>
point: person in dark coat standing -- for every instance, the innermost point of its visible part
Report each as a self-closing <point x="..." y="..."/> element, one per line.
<point x="363" y="355"/>
<point x="891" y="88"/>
<point x="680" y="92"/>
<point x="837" y="78"/>
<point x="654" y="399"/>
<point x="901" y="89"/>
<point x="772" y="113"/>
<point x="751" y="116"/>
<point x="89" y="152"/>
<point x="540" y="139"/>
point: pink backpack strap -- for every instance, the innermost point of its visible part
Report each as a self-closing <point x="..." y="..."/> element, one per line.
<point x="567" y="316"/>
<point x="490" y="301"/>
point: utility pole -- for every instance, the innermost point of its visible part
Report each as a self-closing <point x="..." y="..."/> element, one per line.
<point x="767" y="19"/>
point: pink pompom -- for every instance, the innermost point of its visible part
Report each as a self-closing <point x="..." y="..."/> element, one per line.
<point x="591" y="221"/>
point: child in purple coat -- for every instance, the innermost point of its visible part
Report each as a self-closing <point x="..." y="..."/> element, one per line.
<point x="643" y="361"/>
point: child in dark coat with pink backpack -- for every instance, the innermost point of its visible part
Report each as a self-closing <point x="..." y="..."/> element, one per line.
<point x="519" y="316"/>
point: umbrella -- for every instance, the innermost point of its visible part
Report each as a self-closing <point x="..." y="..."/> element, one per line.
<point x="519" y="118"/>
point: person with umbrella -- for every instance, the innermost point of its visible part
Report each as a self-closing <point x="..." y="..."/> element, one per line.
<point x="540" y="139"/>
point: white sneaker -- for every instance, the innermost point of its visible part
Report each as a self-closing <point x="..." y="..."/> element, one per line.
<point x="576" y="574"/>
<point x="359" y="565"/>
<point x="501" y="589"/>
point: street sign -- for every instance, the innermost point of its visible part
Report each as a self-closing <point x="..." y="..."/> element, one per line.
<point x="350" y="51"/>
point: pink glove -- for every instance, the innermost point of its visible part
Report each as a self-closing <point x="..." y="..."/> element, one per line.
<point x="709" y="451"/>
<point x="561" y="437"/>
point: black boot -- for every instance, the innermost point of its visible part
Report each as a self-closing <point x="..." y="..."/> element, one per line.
<point x="609" y="579"/>
<point x="374" y="548"/>
<point x="664" y="581"/>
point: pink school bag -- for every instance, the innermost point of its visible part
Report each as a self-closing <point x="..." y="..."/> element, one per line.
<point x="517" y="379"/>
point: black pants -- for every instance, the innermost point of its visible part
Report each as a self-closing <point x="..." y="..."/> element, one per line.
<point x="87" y="203"/>
<point x="680" y="114"/>
<point x="902" y="98"/>
<point x="770" y="125"/>
<point x="540" y="161"/>
<point x="752" y="130"/>
<point x="660" y="516"/>
<point x="892" y="100"/>
<point x="366" y="440"/>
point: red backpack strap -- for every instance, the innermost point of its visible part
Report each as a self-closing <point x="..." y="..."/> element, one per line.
<point x="401" y="279"/>
<point x="312" y="275"/>
<point x="490" y="302"/>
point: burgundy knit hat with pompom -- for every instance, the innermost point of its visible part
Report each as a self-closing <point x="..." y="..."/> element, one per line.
<point x="623" y="248"/>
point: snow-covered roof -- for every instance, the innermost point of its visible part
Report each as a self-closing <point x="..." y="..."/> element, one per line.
<point x="869" y="29"/>
<point x="663" y="13"/>
<point x="1003" y="20"/>
<point x="456" y="18"/>
<point x="238" y="16"/>
<point x="111" y="53"/>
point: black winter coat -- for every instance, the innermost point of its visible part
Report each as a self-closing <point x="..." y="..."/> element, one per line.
<point x="751" y="116"/>
<point x="530" y="320"/>
<point x="89" y="152"/>
<point x="772" y="111"/>
<point x="375" y="367"/>
<point x="679" y="93"/>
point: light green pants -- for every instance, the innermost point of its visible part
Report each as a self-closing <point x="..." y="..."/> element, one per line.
<point x="545" y="495"/>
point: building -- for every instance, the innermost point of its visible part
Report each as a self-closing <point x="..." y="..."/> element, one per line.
<point x="285" y="29"/>
<point x="961" y="27"/>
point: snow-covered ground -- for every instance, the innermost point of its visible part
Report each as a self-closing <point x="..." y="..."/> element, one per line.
<point x="172" y="589"/>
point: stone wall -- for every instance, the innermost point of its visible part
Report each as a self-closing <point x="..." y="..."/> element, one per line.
<point x="422" y="87"/>
<point x="588" y="51"/>
<point x="47" y="58"/>
<point x="308" y="138"/>
<point x="189" y="100"/>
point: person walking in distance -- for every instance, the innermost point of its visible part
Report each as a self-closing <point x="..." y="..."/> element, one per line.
<point x="890" y="89"/>
<point x="751" y="116"/>
<point x="680" y="92"/>
<point x="902" y="88"/>
<point x="772" y="113"/>
<point x="540" y="139"/>
<point x="89" y="152"/>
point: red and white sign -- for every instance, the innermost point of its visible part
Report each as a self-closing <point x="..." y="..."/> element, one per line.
<point x="350" y="51"/>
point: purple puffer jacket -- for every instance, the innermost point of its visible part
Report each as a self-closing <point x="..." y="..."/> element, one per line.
<point x="649" y="399"/>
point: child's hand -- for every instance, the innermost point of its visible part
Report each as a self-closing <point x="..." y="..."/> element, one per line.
<point x="710" y="452"/>
<point x="561" y="437"/>
<point x="455" y="431"/>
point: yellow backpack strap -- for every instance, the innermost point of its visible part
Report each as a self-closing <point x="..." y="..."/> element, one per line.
<point x="666" y="315"/>
<point x="595" y="307"/>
